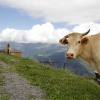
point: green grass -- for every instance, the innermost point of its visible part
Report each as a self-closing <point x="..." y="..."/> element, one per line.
<point x="31" y="97"/>
<point x="1" y="77"/>
<point x="58" y="84"/>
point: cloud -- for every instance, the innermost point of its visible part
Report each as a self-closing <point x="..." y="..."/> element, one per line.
<point x="39" y="33"/>
<point x="94" y="28"/>
<point x="45" y="33"/>
<point x="70" y="11"/>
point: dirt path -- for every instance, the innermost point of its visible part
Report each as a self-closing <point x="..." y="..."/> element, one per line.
<point x="18" y="87"/>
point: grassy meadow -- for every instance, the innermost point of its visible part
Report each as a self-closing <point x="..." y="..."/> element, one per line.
<point x="58" y="84"/>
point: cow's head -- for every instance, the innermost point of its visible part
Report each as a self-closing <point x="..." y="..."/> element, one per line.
<point x="75" y="41"/>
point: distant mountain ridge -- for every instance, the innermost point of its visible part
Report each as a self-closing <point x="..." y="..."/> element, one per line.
<point x="30" y="49"/>
<point x="50" y="52"/>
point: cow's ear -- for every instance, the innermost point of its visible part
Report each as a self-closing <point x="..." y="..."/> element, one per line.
<point x="64" y="42"/>
<point x="85" y="40"/>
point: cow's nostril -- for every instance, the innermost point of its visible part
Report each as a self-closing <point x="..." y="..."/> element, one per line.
<point x="72" y="55"/>
<point x="67" y="55"/>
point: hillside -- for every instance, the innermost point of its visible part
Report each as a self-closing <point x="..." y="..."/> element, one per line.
<point x="58" y="84"/>
<point x="45" y="52"/>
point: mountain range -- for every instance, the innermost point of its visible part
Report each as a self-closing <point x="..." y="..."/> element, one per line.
<point x="52" y="54"/>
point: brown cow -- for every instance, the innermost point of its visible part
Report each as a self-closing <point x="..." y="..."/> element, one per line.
<point x="86" y="47"/>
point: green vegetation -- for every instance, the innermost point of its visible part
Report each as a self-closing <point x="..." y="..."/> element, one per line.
<point x="57" y="84"/>
<point x="31" y="97"/>
<point x="1" y="77"/>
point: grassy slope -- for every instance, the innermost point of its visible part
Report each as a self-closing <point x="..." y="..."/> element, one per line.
<point x="58" y="84"/>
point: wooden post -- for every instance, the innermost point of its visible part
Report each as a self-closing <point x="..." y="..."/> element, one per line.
<point x="64" y="64"/>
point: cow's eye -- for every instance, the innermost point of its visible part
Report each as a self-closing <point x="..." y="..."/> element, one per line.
<point x="79" y="41"/>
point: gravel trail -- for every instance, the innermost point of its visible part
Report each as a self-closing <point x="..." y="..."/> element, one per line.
<point x="18" y="87"/>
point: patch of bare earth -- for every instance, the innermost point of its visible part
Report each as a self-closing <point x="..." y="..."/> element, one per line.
<point x="18" y="87"/>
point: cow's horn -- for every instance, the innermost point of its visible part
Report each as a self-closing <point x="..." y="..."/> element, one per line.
<point x="65" y="38"/>
<point x="86" y="32"/>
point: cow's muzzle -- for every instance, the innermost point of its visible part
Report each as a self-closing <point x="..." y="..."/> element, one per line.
<point x="70" y="56"/>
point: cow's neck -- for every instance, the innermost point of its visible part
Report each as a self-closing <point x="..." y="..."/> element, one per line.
<point x="86" y="54"/>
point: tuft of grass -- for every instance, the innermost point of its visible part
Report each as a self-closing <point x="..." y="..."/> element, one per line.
<point x="1" y="77"/>
<point x="4" y="98"/>
<point x="31" y="97"/>
<point x="58" y="84"/>
<point x="3" y="94"/>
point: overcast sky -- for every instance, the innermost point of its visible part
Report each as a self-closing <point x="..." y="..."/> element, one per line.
<point x="47" y="20"/>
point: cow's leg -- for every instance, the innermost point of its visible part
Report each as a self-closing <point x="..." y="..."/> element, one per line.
<point x="96" y="63"/>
